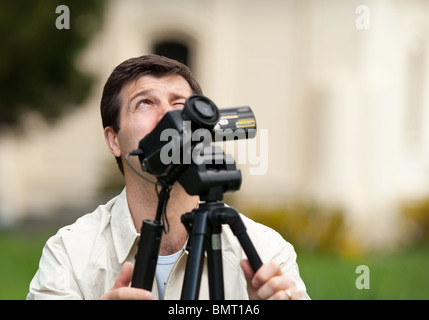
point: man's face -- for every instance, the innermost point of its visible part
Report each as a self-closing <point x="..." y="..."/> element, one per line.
<point x="143" y="104"/>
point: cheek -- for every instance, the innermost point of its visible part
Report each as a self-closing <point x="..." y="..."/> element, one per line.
<point x="150" y="127"/>
<point x="143" y="124"/>
<point x="132" y="132"/>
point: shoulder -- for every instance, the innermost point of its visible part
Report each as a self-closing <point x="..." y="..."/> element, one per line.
<point x="267" y="239"/>
<point x="260" y="230"/>
<point x="88" y="223"/>
<point x="63" y="267"/>
<point x="74" y="242"/>
<point x="269" y="244"/>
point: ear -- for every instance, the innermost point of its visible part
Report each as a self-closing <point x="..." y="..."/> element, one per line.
<point x="111" y="138"/>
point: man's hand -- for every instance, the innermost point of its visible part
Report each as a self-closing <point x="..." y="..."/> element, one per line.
<point x="121" y="289"/>
<point x="269" y="283"/>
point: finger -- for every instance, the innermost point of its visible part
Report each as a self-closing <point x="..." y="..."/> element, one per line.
<point x="295" y="293"/>
<point x="265" y="273"/>
<point x="274" y="285"/>
<point x="248" y="274"/>
<point x="282" y="295"/>
<point x="128" y="293"/>
<point x="288" y="294"/>
<point x="121" y="289"/>
<point x="247" y="270"/>
<point x="125" y="276"/>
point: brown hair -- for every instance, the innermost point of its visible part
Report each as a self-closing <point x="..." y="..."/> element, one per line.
<point x="133" y="69"/>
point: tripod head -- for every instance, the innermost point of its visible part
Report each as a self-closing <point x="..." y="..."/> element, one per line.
<point x="211" y="179"/>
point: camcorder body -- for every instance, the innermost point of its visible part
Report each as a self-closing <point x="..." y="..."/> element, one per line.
<point x="183" y="138"/>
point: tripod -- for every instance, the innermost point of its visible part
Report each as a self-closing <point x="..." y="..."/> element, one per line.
<point x="210" y="180"/>
<point x="204" y="226"/>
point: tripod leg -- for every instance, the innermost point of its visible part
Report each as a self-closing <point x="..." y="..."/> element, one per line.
<point x="150" y="241"/>
<point x="249" y="249"/>
<point x="231" y="217"/>
<point x="147" y="254"/>
<point x="194" y="265"/>
<point x="215" y="267"/>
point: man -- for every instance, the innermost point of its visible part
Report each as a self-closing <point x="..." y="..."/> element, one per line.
<point x="93" y="258"/>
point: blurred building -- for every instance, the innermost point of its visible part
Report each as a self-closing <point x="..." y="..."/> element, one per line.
<point x="340" y="92"/>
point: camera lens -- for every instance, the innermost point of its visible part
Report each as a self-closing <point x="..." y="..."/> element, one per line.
<point x="201" y="111"/>
<point x="204" y="108"/>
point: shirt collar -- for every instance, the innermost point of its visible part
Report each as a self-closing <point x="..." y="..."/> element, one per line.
<point x="124" y="232"/>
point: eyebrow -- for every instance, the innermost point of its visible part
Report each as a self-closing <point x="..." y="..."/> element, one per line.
<point x="140" y="93"/>
<point x="147" y="92"/>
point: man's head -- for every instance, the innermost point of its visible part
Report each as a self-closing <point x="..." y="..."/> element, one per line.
<point x="127" y="80"/>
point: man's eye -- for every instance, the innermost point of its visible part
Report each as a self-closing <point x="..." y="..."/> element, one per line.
<point x="179" y="104"/>
<point x="143" y="104"/>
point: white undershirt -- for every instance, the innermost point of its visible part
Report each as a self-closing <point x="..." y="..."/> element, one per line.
<point x="163" y="269"/>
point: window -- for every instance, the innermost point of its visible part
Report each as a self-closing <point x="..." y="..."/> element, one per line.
<point x="174" y="50"/>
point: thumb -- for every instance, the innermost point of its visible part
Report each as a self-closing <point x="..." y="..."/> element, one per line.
<point x="125" y="276"/>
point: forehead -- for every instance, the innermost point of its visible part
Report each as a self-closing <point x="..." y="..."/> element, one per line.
<point x="164" y="85"/>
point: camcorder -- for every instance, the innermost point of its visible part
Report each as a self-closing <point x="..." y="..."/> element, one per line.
<point x="184" y="137"/>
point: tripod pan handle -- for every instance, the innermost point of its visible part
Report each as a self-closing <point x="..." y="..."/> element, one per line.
<point x="147" y="254"/>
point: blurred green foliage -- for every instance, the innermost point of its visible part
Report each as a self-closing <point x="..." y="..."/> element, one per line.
<point x="306" y="225"/>
<point x="38" y="61"/>
<point x="310" y="226"/>
<point x="416" y="216"/>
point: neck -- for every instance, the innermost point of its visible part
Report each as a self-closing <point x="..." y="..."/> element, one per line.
<point x="143" y="202"/>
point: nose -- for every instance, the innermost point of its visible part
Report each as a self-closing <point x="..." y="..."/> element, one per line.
<point x="163" y="109"/>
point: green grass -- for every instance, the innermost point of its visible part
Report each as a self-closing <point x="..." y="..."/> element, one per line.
<point x="402" y="274"/>
<point x="19" y="260"/>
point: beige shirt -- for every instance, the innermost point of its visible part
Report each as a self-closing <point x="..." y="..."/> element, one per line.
<point x="83" y="260"/>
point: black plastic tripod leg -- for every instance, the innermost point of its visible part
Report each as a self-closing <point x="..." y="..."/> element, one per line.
<point x="149" y="244"/>
<point x="194" y="265"/>
<point x="147" y="254"/>
<point x="231" y="217"/>
<point x="214" y="262"/>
